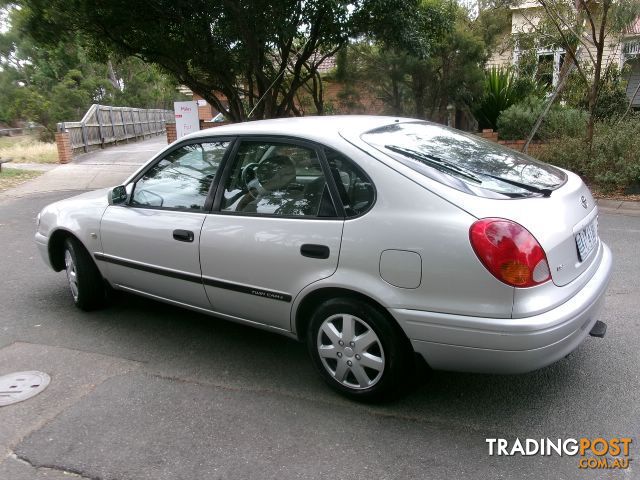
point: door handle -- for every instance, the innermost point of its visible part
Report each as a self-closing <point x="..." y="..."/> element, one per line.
<point x="183" y="235"/>
<point x="314" y="251"/>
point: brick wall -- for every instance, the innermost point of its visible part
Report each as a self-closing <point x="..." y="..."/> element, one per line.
<point x="171" y="132"/>
<point x="63" y="142"/>
<point x="533" y="150"/>
<point x="206" y="111"/>
<point x="359" y="99"/>
<point x="204" y="125"/>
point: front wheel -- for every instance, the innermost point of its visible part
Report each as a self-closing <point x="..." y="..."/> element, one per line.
<point x="358" y="351"/>
<point x="85" y="282"/>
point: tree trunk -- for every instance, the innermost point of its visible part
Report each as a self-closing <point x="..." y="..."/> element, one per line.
<point x="318" y="93"/>
<point x="111" y="75"/>
<point x="593" y="97"/>
<point x="564" y="76"/>
<point x="418" y="93"/>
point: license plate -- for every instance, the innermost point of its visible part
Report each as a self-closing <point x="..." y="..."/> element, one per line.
<point x="587" y="239"/>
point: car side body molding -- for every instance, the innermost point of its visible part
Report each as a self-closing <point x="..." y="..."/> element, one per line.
<point x="189" y="277"/>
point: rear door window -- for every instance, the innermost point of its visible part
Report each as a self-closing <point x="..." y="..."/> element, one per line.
<point x="354" y="187"/>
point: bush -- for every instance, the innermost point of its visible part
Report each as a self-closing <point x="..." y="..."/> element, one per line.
<point x="516" y="122"/>
<point x="612" y="165"/>
<point x="612" y="99"/>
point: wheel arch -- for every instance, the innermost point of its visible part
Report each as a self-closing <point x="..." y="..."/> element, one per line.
<point x="56" y="247"/>
<point x="311" y="301"/>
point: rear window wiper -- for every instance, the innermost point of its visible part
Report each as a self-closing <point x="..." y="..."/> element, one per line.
<point x="442" y="165"/>
<point x="435" y="162"/>
<point x="545" y="192"/>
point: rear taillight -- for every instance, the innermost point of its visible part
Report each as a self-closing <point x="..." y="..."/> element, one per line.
<point x="509" y="252"/>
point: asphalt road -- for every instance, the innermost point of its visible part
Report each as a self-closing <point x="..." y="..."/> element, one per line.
<point x="142" y="390"/>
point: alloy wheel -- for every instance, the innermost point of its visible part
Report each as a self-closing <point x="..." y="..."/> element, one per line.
<point x="350" y="351"/>
<point x="72" y="274"/>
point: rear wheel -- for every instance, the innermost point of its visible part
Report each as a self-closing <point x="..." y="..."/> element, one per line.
<point x="358" y="351"/>
<point x="85" y="282"/>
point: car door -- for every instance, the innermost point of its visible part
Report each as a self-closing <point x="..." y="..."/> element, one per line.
<point x="150" y="243"/>
<point x="274" y="230"/>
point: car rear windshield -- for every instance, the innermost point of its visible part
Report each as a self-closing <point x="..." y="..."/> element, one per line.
<point x="464" y="161"/>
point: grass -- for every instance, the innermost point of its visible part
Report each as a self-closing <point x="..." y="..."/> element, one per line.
<point x="12" y="177"/>
<point x="28" y="149"/>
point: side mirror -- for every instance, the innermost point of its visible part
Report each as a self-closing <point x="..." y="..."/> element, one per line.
<point x="117" y="195"/>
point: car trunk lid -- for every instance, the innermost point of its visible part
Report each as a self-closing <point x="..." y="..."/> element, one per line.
<point x="565" y="225"/>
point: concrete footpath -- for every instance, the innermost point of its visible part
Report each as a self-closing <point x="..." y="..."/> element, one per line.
<point x="111" y="166"/>
<point x="93" y="170"/>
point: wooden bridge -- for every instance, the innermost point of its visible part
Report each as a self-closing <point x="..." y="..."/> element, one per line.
<point x="103" y="125"/>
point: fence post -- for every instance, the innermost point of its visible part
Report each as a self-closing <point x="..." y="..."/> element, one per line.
<point x="136" y="121"/>
<point x="124" y="125"/>
<point x="85" y="140"/>
<point x="113" y="127"/>
<point x="100" y="132"/>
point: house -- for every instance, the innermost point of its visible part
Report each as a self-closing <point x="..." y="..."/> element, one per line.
<point x="621" y="50"/>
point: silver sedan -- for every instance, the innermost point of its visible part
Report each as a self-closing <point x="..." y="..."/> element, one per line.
<point x="372" y="239"/>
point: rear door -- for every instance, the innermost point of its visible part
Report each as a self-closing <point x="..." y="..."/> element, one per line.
<point x="275" y="229"/>
<point x="151" y="243"/>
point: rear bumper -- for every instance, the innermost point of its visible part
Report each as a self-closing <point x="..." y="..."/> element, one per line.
<point x="514" y="345"/>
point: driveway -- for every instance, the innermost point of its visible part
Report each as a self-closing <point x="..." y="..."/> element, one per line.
<point x="96" y="169"/>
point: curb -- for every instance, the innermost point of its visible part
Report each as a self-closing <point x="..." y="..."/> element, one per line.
<point x="619" y="207"/>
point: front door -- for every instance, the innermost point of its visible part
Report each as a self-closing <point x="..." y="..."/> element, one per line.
<point x="150" y="244"/>
<point x="274" y="231"/>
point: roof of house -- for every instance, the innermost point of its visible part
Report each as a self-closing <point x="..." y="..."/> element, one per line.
<point x="327" y="65"/>
<point x="635" y="27"/>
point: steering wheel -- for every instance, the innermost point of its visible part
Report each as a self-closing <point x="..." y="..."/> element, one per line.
<point x="247" y="174"/>
<point x="269" y="174"/>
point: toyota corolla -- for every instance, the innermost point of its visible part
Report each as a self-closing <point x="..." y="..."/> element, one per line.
<point x="372" y="239"/>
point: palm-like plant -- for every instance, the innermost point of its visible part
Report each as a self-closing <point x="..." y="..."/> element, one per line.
<point x="499" y="94"/>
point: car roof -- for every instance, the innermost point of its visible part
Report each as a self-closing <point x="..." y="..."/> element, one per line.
<point x="316" y="128"/>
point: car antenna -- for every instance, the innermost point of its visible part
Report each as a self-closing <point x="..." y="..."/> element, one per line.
<point x="274" y="82"/>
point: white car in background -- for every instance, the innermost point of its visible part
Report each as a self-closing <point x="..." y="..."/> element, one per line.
<point x="372" y="239"/>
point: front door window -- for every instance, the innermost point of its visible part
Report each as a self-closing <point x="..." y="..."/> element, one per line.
<point x="182" y="179"/>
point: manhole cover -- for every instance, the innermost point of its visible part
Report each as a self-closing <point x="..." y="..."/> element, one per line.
<point x="20" y="386"/>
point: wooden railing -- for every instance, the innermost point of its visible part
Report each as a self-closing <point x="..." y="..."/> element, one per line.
<point x="102" y="125"/>
<point x="631" y="48"/>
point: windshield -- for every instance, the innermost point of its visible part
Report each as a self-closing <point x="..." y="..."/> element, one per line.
<point x="464" y="161"/>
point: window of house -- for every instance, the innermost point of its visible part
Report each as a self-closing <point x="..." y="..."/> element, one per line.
<point x="544" y="70"/>
<point x="549" y="66"/>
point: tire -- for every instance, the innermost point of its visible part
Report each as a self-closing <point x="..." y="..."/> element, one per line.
<point x="374" y="361"/>
<point x="85" y="282"/>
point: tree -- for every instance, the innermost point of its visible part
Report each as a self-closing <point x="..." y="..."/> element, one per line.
<point x="242" y="56"/>
<point x="445" y="68"/>
<point x="453" y="74"/>
<point x="59" y="81"/>
<point x="584" y="29"/>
